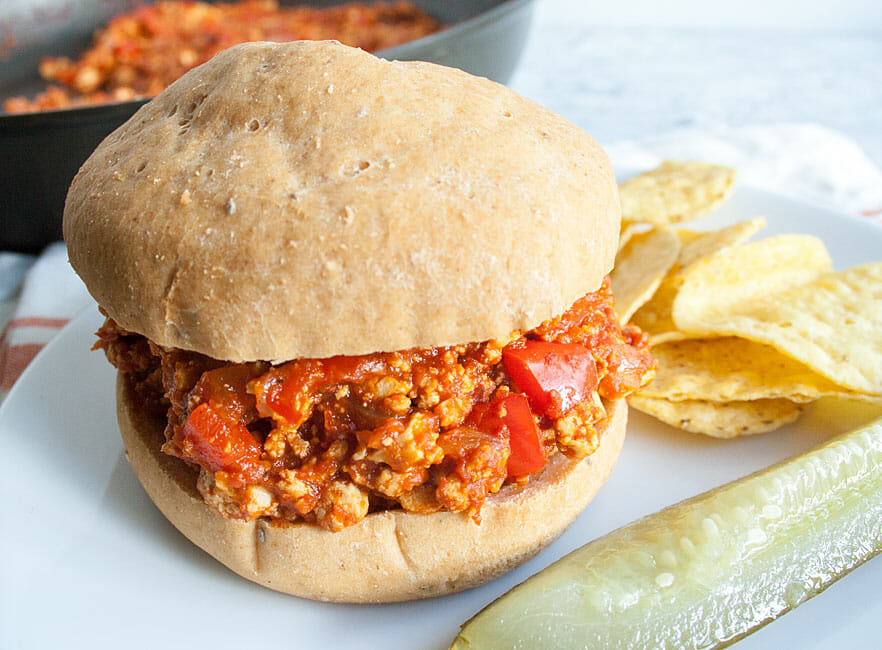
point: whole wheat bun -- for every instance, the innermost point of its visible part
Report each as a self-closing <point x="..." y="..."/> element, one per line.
<point x="388" y="556"/>
<point x="308" y="199"/>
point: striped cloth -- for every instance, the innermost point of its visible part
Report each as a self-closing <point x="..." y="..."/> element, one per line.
<point x="38" y="296"/>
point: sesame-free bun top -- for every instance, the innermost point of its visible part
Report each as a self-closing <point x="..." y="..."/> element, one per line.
<point x="308" y="199"/>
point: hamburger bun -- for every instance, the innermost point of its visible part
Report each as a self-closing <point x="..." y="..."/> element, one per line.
<point x="389" y="556"/>
<point x="308" y="199"/>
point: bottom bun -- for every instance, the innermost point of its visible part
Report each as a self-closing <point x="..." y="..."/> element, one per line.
<point x="388" y="556"/>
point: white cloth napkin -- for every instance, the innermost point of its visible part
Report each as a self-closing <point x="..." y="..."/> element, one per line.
<point x="806" y="161"/>
<point x="39" y="295"/>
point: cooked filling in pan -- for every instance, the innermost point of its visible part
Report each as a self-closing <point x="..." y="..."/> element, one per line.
<point x="138" y="54"/>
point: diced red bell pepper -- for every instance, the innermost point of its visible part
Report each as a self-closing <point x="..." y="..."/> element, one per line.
<point x="226" y="389"/>
<point x="220" y="444"/>
<point x="513" y="413"/>
<point x="288" y="391"/>
<point x="555" y="376"/>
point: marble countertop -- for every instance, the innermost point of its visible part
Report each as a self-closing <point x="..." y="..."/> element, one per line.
<point x="633" y="82"/>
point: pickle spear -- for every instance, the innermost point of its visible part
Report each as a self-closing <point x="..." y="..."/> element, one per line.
<point x="707" y="571"/>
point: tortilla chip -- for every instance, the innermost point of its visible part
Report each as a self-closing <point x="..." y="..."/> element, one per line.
<point x="628" y="230"/>
<point x="832" y="324"/>
<point x="735" y="369"/>
<point x="697" y="245"/>
<point x="830" y="416"/>
<point x="640" y="267"/>
<point x="721" y="420"/>
<point x="675" y="191"/>
<point x="688" y="236"/>
<point x="655" y="317"/>
<point x="732" y="280"/>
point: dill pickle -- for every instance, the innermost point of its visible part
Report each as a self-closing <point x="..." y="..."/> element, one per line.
<point x="710" y="570"/>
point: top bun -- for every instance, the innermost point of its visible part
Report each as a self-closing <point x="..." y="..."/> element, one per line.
<point x="308" y="199"/>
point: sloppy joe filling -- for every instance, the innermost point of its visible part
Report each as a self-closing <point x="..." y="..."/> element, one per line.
<point x="138" y="54"/>
<point x="327" y="441"/>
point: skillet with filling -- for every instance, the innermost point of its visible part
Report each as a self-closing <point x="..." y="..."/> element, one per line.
<point x="138" y="54"/>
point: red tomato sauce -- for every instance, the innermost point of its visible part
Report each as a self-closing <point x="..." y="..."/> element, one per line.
<point x="329" y="440"/>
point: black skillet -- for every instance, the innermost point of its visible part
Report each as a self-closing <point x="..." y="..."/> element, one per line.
<point x="41" y="152"/>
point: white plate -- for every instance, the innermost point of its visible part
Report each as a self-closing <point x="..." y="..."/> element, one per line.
<point x="87" y="560"/>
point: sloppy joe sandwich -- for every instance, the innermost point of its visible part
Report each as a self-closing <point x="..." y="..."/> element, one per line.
<point x="366" y="347"/>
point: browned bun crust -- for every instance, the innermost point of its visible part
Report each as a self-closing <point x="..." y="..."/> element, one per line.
<point x="308" y="199"/>
<point x="388" y="556"/>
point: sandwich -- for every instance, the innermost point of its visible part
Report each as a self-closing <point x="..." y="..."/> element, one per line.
<point x="366" y="347"/>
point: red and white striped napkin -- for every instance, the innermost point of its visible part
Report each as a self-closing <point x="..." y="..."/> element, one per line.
<point x="38" y="296"/>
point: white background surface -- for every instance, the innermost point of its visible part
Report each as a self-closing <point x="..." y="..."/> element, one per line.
<point x="669" y="65"/>
<point x="790" y="15"/>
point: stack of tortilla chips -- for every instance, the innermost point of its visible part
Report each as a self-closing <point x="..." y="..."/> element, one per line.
<point x="746" y="334"/>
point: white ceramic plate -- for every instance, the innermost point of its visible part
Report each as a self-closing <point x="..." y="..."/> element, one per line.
<point x="86" y="560"/>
